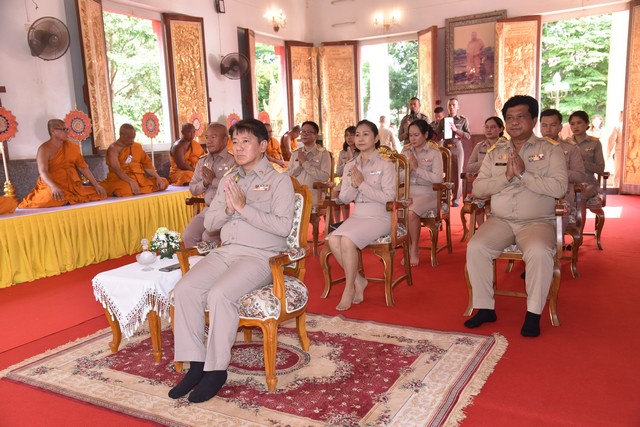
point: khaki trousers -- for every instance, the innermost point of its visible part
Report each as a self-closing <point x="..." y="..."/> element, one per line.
<point x="536" y="240"/>
<point x="216" y="282"/>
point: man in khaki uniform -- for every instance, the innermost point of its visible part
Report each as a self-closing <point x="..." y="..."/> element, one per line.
<point x="523" y="177"/>
<point x="311" y="162"/>
<point x="253" y="208"/>
<point x="550" y="127"/>
<point x="206" y="177"/>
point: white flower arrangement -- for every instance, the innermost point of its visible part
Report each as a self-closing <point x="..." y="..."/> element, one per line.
<point x="166" y="242"/>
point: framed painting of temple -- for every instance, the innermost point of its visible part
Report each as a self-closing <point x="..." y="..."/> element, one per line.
<point x="470" y="52"/>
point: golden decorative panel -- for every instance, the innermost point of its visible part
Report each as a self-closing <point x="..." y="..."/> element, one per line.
<point x="303" y="84"/>
<point x="427" y="78"/>
<point x="630" y="180"/>
<point x="187" y="68"/>
<point x="96" y="70"/>
<point x="517" y="59"/>
<point x="339" y="97"/>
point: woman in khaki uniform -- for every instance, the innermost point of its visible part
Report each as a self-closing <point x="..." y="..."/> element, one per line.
<point x="369" y="182"/>
<point x="349" y="152"/>
<point x="591" y="150"/>
<point x="425" y="163"/>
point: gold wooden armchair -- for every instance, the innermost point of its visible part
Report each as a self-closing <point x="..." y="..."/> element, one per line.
<point x="286" y="298"/>
<point x="511" y="254"/>
<point x="441" y="214"/>
<point x="324" y="195"/>
<point x="385" y="247"/>
<point x="596" y="205"/>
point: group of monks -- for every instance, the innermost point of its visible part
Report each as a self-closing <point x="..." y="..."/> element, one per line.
<point x="61" y="167"/>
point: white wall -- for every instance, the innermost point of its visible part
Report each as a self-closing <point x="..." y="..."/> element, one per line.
<point x="39" y="90"/>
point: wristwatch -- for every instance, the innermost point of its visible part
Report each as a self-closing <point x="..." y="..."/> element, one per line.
<point x="521" y="175"/>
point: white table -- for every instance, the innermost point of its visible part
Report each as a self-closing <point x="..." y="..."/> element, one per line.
<point x="129" y="294"/>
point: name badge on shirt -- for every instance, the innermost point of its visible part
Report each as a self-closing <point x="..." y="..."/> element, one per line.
<point x="262" y="187"/>
<point x="501" y="160"/>
<point x="536" y="157"/>
<point x="375" y="173"/>
<point x="129" y="159"/>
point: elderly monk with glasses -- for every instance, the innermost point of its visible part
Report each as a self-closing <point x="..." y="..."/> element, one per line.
<point x="59" y="161"/>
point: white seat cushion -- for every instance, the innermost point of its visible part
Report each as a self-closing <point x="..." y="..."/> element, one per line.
<point x="402" y="231"/>
<point x="262" y="304"/>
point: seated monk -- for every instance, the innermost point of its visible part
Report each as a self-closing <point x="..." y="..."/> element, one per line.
<point x="130" y="168"/>
<point x="289" y="142"/>
<point x="7" y="205"/>
<point x="185" y="153"/>
<point x="273" y="153"/>
<point x="59" y="183"/>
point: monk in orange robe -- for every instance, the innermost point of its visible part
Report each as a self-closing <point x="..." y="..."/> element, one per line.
<point x="273" y="153"/>
<point x="289" y="142"/>
<point x="58" y="163"/>
<point x="185" y="153"/>
<point x="7" y="205"/>
<point x="130" y="168"/>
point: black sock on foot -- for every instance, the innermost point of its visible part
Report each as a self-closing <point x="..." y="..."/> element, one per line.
<point x="189" y="381"/>
<point x="209" y="386"/>
<point x="531" y="327"/>
<point x="483" y="315"/>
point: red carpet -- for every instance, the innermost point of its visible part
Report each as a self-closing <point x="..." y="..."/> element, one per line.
<point x="583" y="373"/>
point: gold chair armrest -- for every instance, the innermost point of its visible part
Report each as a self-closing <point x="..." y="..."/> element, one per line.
<point x="190" y="201"/>
<point x="183" y="258"/>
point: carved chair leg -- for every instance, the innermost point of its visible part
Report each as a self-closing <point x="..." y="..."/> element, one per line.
<point x="469" y="309"/>
<point x="301" y="326"/>
<point x="247" y="333"/>
<point x="448" y="230"/>
<point x="270" y="345"/>
<point x="407" y="262"/>
<point x="434" y="246"/>
<point x="599" y="227"/>
<point x="386" y="256"/>
<point x="465" y="228"/>
<point x="553" y="295"/>
<point x="156" y="338"/>
<point x="326" y="269"/>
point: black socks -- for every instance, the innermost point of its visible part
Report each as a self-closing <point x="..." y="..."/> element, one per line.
<point x="531" y="327"/>
<point x="190" y="380"/>
<point x="205" y="384"/>
<point x="209" y="386"/>
<point x="483" y="315"/>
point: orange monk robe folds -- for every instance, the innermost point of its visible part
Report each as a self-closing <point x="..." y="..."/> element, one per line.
<point x="133" y="161"/>
<point x="7" y="205"/>
<point x="179" y="176"/>
<point x="63" y="171"/>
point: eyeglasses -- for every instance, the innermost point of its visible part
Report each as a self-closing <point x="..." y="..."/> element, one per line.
<point x="307" y="132"/>
<point x="62" y="129"/>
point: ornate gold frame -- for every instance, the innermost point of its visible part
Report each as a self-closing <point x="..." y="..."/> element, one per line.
<point x="457" y="83"/>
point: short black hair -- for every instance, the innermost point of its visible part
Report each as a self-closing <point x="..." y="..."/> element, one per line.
<point x="314" y="125"/>
<point x="438" y="110"/>
<point x="254" y="127"/>
<point x="527" y="100"/>
<point x="550" y="112"/>
<point x="351" y="130"/>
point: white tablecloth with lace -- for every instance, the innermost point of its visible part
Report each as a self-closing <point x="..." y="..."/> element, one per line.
<point x="129" y="293"/>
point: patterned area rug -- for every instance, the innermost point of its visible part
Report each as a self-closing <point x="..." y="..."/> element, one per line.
<point x="356" y="373"/>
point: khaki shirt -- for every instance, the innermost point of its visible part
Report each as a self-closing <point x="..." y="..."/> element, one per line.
<point x="379" y="185"/>
<point x="477" y="156"/>
<point x="574" y="163"/>
<point x="403" y="130"/>
<point x="266" y="220"/>
<point x="592" y="156"/>
<point x="342" y="161"/>
<point x="529" y="198"/>
<point x="430" y="168"/>
<point x="461" y="123"/>
<point x="317" y="168"/>
<point x="220" y="164"/>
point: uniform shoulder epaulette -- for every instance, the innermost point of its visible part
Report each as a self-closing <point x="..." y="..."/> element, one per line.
<point x="551" y="141"/>
<point x="203" y="156"/>
<point x="433" y="144"/>
<point x="321" y="148"/>
<point x="500" y="140"/>
<point x="592" y="138"/>
<point x="461" y="116"/>
<point x="231" y="171"/>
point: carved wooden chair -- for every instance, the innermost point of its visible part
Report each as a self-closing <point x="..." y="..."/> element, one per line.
<point x="511" y="254"/>
<point x="384" y="247"/>
<point x="596" y="205"/>
<point x="286" y="298"/>
<point x="196" y="203"/>
<point x="323" y="210"/>
<point x="440" y="216"/>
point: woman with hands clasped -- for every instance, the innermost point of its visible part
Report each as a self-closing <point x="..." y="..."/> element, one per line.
<point x="370" y="182"/>
<point x="425" y="163"/>
<point x="348" y="153"/>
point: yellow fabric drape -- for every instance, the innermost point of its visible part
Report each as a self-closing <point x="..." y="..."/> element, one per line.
<point x="50" y="243"/>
